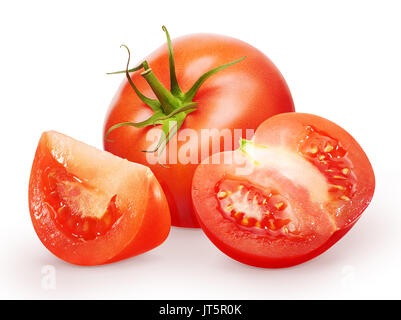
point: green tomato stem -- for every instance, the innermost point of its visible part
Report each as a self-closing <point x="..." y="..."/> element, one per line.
<point x="167" y="100"/>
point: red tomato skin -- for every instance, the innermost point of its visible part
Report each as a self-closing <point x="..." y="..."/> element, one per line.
<point x="232" y="99"/>
<point x="130" y="237"/>
<point x="263" y="262"/>
<point x="155" y="226"/>
<point x="270" y="133"/>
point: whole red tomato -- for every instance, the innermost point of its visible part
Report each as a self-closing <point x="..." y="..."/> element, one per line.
<point x="243" y="95"/>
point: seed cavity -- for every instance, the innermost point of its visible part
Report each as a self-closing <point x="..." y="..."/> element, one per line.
<point x="253" y="209"/>
<point x="66" y="197"/>
<point x="331" y="159"/>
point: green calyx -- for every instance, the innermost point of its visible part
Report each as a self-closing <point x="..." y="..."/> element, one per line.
<point x="171" y="106"/>
<point x="249" y="148"/>
<point x="243" y="143"/>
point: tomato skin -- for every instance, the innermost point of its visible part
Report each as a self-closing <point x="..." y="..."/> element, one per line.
<point x="137" y="230"/>
<point x="230" y="99"/>
<point x="272" y="263"/>
<point x="282" y="131"/>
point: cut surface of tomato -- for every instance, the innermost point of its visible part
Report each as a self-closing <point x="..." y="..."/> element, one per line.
<point x="89" y="207"/>
<point x="287" y="195"/>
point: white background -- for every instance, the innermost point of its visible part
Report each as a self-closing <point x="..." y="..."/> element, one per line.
<point x="341" y="60"/>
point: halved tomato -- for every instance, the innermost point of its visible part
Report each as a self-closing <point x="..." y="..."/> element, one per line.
<point x="287" y="195"/>
<point x="89" y="207"/>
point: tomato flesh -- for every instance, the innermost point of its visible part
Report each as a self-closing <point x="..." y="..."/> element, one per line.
<point x="306" y="184"/>
<point x="89" y="207"/>
<point x="69" y="197"/>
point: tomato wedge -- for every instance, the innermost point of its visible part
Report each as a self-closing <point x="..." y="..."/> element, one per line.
<point x="89" y="207"/>
<point x="287" y="195"/>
